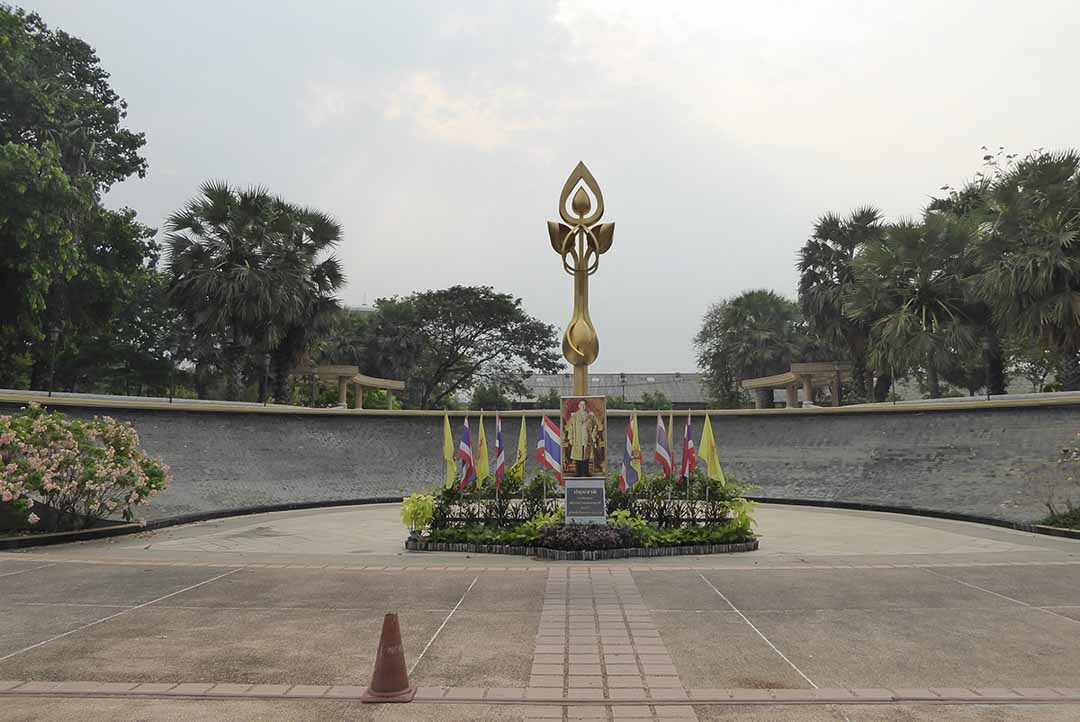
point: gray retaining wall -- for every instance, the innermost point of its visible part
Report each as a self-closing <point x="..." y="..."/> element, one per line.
<point x="978" y="461"/>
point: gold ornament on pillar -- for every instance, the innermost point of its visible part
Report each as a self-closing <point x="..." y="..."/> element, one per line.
<point x="581" y="240"/>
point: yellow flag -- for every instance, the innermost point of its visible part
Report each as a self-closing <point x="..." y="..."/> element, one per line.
<point x="448" y="452"/>
<point x="482" y="470"/>
<point x="707" y="452"/>
<point x="635" y="448"/>
<point x="522" y="451"/>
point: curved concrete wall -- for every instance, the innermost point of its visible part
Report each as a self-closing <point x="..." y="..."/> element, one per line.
<point x="978" y="459"/>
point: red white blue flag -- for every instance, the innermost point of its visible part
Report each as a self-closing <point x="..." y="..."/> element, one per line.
<point x="663" y="450"/>
<point x="465" y="453"/>
<point x="549" y="447"/>
<point x="631" y="464"/>
<point x="500" y="457"/>
<point x="689" y="458"/>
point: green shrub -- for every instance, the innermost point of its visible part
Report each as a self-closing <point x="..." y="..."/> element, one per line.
<point x="417" y="511"/>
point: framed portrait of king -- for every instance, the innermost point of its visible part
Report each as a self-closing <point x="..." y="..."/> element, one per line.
<point x="584" y="436"/>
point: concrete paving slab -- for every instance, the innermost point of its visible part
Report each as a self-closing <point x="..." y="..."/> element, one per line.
<point x="379" y="592"/>
<point x="506" y="591"/>
<point x="776" y="589"/>
<point x="1007" y="647"/>
<point x="718" y="649"/>
<point x="676" y="590"/>
<point x="480" y="649"/>
<point x="24" y="625"/>
<point x="237" y="646"/>
<point x="95" y="584"/>
<point x="1036" y="585"/>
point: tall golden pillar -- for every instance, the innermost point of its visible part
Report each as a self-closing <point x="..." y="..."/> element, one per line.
<point x="581" y="240"/>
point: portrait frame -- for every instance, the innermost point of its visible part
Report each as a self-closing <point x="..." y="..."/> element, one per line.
<point x="584" y="431"/>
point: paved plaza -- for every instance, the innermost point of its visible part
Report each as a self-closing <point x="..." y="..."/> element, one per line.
<point x="840" y="615"/>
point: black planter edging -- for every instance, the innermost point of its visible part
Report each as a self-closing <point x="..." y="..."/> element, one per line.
<point x="582" y="556"/>
<point x="918" y="511"/>
<point x="23" y="541"/>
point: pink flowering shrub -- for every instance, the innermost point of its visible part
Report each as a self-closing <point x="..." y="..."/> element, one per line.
<point x="84" y="470"/>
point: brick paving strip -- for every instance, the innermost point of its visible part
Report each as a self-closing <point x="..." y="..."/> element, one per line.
<point x="518" y="696"/>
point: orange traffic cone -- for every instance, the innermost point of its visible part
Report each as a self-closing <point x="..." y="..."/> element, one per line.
<point x="390" y="680"/>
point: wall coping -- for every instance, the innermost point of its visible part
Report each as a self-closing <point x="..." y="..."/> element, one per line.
<point x="9" y="396"/>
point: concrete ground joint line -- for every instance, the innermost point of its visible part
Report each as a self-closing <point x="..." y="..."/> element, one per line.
<point x="24" y="571"/>
<point x="441" y="626"/>
<point x="757" y="631"/>
<point x="1002" y="596"/>
<point x="114" y="616"/>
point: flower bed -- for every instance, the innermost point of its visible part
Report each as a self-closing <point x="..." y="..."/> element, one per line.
<point x="658" y="517"/>
<point x="582" y="555"/>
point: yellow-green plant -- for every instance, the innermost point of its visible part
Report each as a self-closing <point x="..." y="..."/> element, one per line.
<point x="417" y="511"/>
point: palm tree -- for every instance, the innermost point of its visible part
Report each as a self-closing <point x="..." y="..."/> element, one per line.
<point x="826" y="268"/>
<point x="306" y="252"/>
<point x="1030" y="255"/>
<point x="908" y="289"/>
<point x="230" y="273"/>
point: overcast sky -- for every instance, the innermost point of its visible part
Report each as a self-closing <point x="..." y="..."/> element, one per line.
<point x="440" y="134"/>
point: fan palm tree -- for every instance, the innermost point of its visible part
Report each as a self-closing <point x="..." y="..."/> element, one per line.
<point x="231" y="273"/>
<point x="908" y="289"/>
<point x="826" y="268"/>
<point x="1029" y="253"/>
<point x="307" y="253"/>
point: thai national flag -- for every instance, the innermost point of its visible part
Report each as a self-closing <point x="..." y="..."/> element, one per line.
<point x="663" y="452"/>
<point x="465" y="453"/>
<point x="500" y="458"/>
<point x="629" y="475"/>
<point x="689" y="459"/>
<point x="551" y="444"/>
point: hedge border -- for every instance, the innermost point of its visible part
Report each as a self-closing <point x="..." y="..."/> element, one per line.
<point x="582" y="555"/>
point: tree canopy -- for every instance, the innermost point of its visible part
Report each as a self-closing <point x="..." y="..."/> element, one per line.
<point x="451" y="340"/>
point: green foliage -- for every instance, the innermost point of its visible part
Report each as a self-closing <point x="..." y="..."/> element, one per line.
<point x="757" y="333"/>
<point x="489" y="397"/>
<point x="443" y="342"/>
<point x="550" y="400"/>
<point x="417" y="511"/>
<point x="909" y="290"/>
<point x="656" y="401"/>
<point x="37" y="247"/>
<point x="83" y="471"/>
<point x="827" y="274"/>
<point x="1029" y="255"/>
<point x="250" y="271"/>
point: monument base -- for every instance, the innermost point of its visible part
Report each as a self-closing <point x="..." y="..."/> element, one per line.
<point x="586" y="501"/>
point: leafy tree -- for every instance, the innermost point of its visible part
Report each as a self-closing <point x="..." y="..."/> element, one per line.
<point x="441" y="342"/>
<point x="909" y="289"/>
<point x="54" y="90"/>
<point x="757" y="333"/>
<point x="1030" y="255"/>
<point x="61" y="147"/>
<point x="489" y="397"/>
<point x="827" y="273"/>
<point x="36" y="247"/>
<point x="657" y="401"/>
<point x="549" y="399"/>
<point x="1033" y="362"/>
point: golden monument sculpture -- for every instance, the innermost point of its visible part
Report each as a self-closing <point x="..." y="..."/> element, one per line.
<point x="580" y="241"/>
